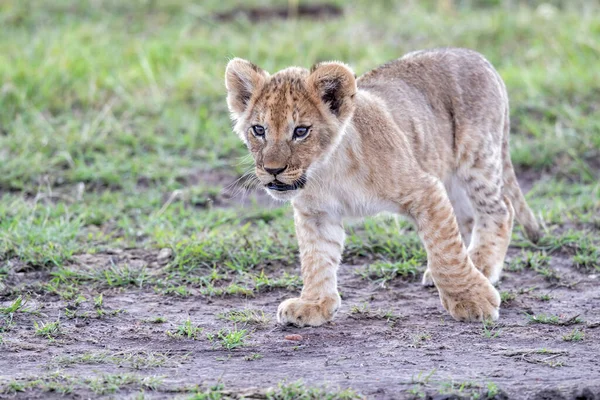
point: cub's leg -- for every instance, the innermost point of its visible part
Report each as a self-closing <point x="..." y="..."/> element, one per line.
<point x="494" y="213"/>
<point x="464" y="291"/>
<point x="464" y="216"/>
<point x="463" y="210"/>
<point x="321" y="241"/>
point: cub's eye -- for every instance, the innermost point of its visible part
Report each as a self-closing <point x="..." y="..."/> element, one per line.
<point x="300" y="132"/>
<point x="259" y="131"/>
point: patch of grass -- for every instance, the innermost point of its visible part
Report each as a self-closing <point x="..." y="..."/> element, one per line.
<point x="16" y="306"/>
<point x="383" y="272"/>
<point x="544" y="319"/>
<point x="180" y="290"/>
<point x="65" y="384"/>
<point x="552" y="319"/>
<point x="36" y="237"/>
<point x="507" y="296"/>
<point x="70" y="314"/>
<point x="232" y="338"/>
<point x="156" y="320"/>
<point x="468" y="389"/>
<point x="253" y="357"/>
<point x="566" y="201"/>
<point x="492" y="390"/>
<point x="538" y="261"/>
<point x="287" y="281"/>
<point x="420" y="338"/>
<point x="113" y="276"/>
<point x="14" y="387"/>
<point x="78" y="300"/>
<point x="283" y="391"/>
<point x="491" y="330"/>
<point x="51" y="330"/>
<point x="101" y="312"/>
<point x="298" y="390"/>
<point x="364" y="312"/>
<point x="186" y="330"/>
<point x="129" y="359"/>
<point x="66" y="292"/>
<point x="233" y="289"/>
<point x="99" y="301"/>
<point x="239" y="250"/>
<point x="247" y="316"/>
<point x="545" y="297"/>
<point x="574" y="336"/>
<point x="395" y="241"/>
<point x="587" y="256"/>
<point x="452" y="387"/>
<point x="210" y="393"/>
<point x="117" y="276"/>
<point x="112" y="383"/>
<point x="425" y="387"/>
<point x="422" y="378"/>
<point x="570" y="241"/>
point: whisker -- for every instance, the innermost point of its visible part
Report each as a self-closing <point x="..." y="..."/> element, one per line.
<point x="241" y="184"/>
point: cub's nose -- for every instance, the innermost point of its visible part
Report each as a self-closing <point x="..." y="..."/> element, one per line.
<point x="275" y="171"/>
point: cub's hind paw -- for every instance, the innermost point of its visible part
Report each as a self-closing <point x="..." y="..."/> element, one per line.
<point x="301" y="312"/>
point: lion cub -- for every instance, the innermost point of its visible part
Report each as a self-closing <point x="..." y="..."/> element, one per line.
<point x="425" y="136"/>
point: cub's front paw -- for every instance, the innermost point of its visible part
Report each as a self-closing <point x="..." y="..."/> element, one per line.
<point x="478" y="301"/>
<point x="301" y="312"/>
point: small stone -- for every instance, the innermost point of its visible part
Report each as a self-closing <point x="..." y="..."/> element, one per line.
<point x="294" y="337"/>
<point x="164" y="255"/>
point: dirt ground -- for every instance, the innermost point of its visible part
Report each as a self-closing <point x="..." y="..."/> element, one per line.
<point x="385" y="343"/>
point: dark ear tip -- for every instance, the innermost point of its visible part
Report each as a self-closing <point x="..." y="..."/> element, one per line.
<point x="254" y="67"/>
<point x="315" y="66"/>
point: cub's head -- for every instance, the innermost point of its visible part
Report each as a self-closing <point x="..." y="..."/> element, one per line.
<point x="291" y="121"/>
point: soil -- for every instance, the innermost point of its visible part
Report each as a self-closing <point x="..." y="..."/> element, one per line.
<point x="420" y="349"/>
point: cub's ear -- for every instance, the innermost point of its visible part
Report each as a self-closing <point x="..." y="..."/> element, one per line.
<point x="335" y="85"/>
<point x="242" y="78"/>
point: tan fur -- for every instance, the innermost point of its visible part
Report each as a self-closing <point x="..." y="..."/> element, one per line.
<point x="425" y="136"/>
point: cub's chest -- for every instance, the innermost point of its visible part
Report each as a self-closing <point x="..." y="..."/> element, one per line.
<point x="349" y="199"/>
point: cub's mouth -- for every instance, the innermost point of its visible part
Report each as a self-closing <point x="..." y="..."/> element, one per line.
<point x="285" y="187"/>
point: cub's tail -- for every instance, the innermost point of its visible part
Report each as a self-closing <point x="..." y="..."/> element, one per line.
<point x="512" y="190"/>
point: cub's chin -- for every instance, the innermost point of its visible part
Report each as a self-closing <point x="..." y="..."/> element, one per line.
<point x="282" y="195"/>
<point x="284" y="191"/>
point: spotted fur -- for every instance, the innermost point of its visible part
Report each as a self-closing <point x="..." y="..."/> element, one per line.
<point x="425" y="136"/>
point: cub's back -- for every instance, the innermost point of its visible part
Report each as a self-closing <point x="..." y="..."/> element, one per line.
<point x="441" y="76"/>
<point x="439" y="99"/>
